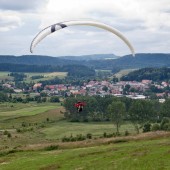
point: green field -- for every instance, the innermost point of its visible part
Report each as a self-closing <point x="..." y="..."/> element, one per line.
<point x="47" y="76"/>
<point x="30" y="149"/>
<point x="134" y="155"/>
<point x="123" y="72"/>
<point x="14" y="113"/>
<point x="58" y="130"/>
<point x="4" y="76"/>
<point x="26" y="111"/>
<point x="4" y="73"/>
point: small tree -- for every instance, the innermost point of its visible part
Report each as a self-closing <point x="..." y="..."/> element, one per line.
<point x="140" y="112"/>
<point x="147" y="127"/>
<point x="166" y="108"/>
<point x="105" y="88"/>
<point x="117" y="111"/>
<point x="54" y="99"/>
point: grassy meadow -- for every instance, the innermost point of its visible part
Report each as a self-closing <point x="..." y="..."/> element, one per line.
<point x="36" y="130"/>
<point x="4" y="76"/>
<point x="47" y="76"/>
<point x="58" y="130"/>
<point x="123" y="72"/>
<point x="137" y="155"/>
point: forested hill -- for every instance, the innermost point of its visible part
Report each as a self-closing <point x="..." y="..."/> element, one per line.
<point x="140" y="61"/>
<point x="34" y="60"/>
<point x="155" y="74"/>
<point x="143" y="60"/>
<point x="73" y="70"/>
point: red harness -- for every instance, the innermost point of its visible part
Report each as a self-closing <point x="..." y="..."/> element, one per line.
<point x="79" y="104"/>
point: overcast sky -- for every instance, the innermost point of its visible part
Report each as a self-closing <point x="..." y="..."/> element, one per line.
<point x="146" y="23"/>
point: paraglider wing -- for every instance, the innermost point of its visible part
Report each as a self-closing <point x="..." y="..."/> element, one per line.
<point x="47" y="31"/>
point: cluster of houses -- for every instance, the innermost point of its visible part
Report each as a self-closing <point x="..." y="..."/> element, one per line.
<point x="101" y="88"/>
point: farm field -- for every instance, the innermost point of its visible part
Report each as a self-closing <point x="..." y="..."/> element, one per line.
<point x="123" y="73"/>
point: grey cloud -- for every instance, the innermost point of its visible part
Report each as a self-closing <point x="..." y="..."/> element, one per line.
<point x="21" y="5"/>
<point x="9" y="22"/>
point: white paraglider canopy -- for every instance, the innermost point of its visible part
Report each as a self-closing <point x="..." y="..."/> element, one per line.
<point x="49" y="30"/>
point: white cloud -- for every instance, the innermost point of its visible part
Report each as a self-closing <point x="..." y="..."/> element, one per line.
<point x="145" y="23"/>
<point x="151" y="14"/>
<point x="21" y="5"/>
<point x="13" y="13"/>
<point x="9" y="21"/>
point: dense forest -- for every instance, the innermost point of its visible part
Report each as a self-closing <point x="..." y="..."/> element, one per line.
<point x="155" y="74"/>
<point x="95" y="61"/>
<point x="73" y="70"/>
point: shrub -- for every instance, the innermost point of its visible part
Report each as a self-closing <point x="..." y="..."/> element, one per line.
<point x="89" y="136"/>
<point x="127" y="133"/>
<point x="164" y="122"/>
<point x="24" y="124"/>
<point x="22" y="130"/>
<point x="147" y="127"/>
<point x="41" y="126"/>
<point x="166" y="126"/>
<point x="105" y="135"/>
<point x="6" y="132"/>
<point x="51" y="147"/>
<point x="64" y="139"/>
<point x="54" y="99"/>
<point x="9" y="135"/>
<point x="80" y="137"/>
<point x="18" y="130"/>
<point x="155" y="127"/>
<point x="117" y="134"/>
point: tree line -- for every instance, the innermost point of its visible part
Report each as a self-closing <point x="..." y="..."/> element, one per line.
<point x="117" y="110"/>
<point x="4" y="97"/>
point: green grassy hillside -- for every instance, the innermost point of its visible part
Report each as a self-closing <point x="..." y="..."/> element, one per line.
<point x="36" y="130"/>
<point x="137" y="155"/>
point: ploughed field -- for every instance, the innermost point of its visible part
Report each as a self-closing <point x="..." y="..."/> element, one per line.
<point x="35" y="142"/>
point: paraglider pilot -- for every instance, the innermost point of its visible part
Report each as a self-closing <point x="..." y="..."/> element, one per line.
<point x="79" y="105"/>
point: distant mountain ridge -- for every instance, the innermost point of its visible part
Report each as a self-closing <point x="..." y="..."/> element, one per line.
<point x="91" y="57"/>
<point x="96" y="61"/>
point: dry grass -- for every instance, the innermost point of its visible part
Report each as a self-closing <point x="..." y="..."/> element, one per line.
<point x="97" y="142"/>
